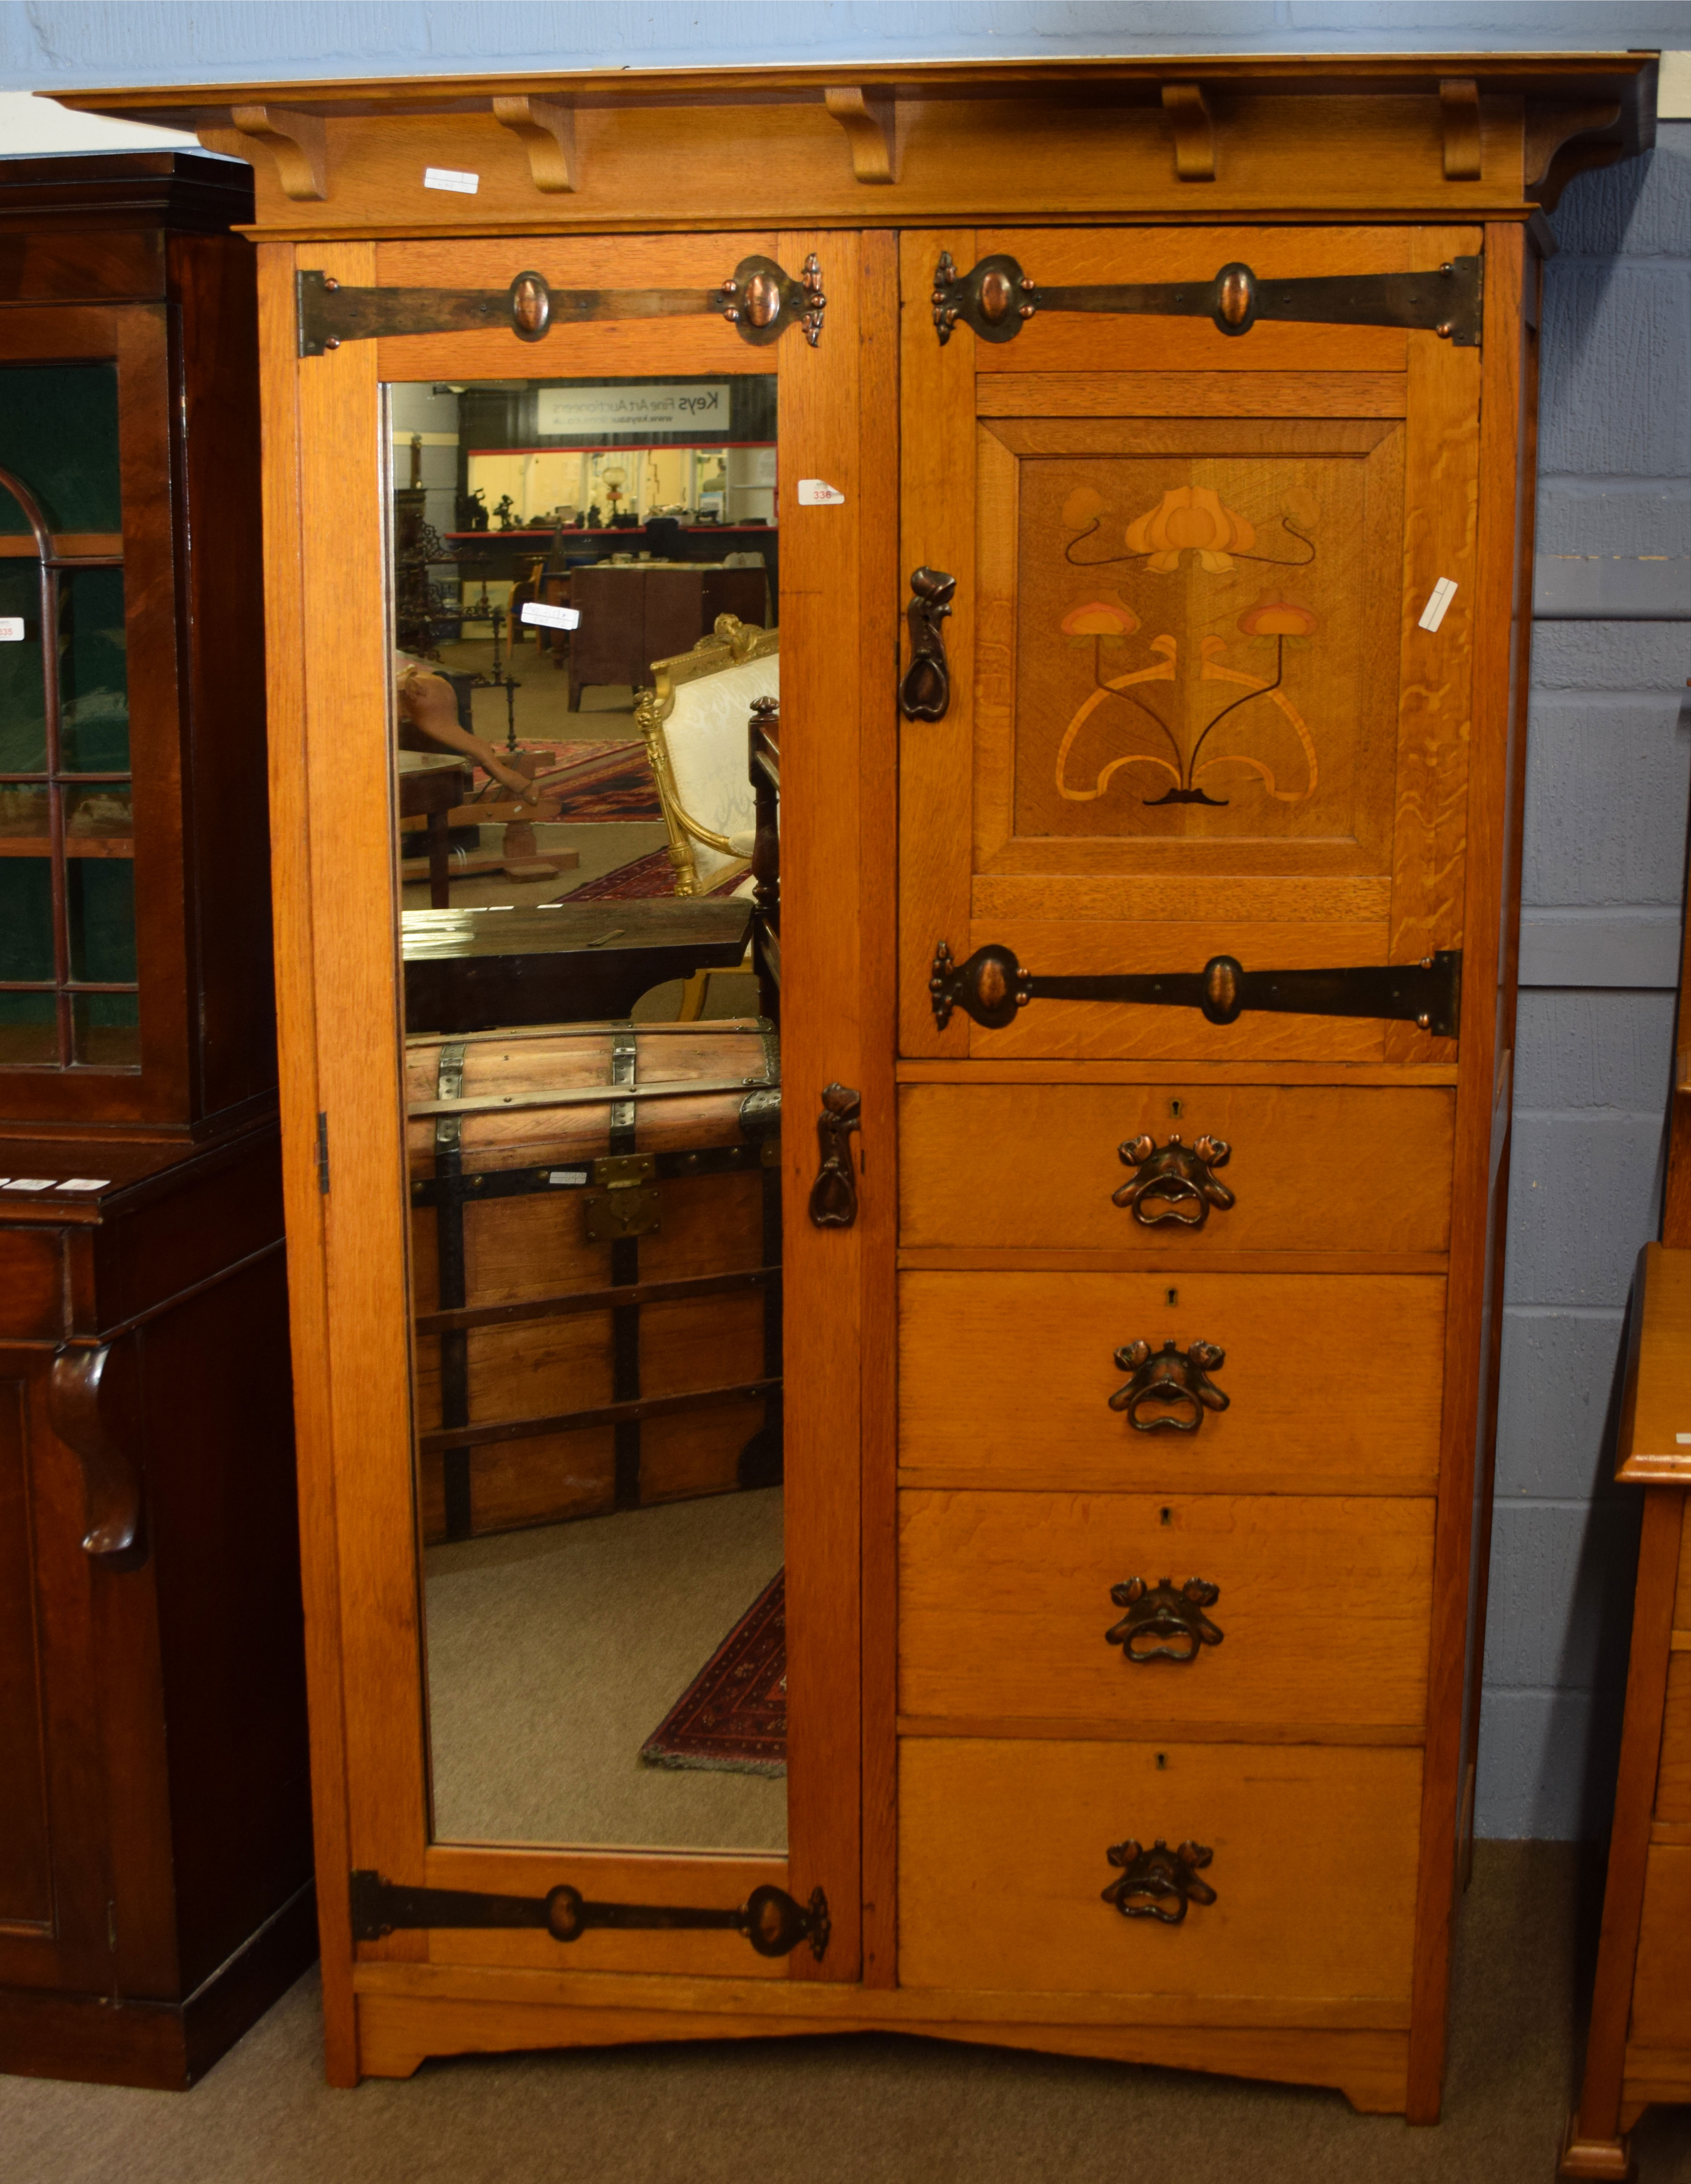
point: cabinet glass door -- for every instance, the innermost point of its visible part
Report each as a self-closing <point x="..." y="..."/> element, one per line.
<point x="69" y="991"/>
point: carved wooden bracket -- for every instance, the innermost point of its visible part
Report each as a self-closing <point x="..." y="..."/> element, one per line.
<point x="298" y="142"/>
<point x="1194" y="132"/>
<point x="1459" y="105"/>
<point x="87" y="1397"/>
<point x="867" y="121"/>
<point x="547" y="131"/>
<point x="1551" y="123"/>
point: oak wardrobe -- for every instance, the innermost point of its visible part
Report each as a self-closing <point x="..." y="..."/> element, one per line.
<point x="1110" y="1388"/>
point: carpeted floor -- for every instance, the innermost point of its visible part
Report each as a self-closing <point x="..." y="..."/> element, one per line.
<point x="554" y="1654"/>
<point x="880" y="2110"/>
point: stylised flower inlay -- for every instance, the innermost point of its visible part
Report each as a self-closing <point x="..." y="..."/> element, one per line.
<point x="1191" y="518"/>
<point x="1277" y="618"/>
<point x="1103" y="618"/>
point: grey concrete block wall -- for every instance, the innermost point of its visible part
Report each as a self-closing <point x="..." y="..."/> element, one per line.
<point x="1609" y="766"/>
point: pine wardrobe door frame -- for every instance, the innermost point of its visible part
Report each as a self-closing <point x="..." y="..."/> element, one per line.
<point x="327" y="552"/>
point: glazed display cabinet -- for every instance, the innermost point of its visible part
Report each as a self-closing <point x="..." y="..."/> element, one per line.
<point x="1110" y="1388"/>
<point x="155" y="1885"/>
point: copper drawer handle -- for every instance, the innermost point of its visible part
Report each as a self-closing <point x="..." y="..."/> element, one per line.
<point x="1158" y="1883"/>
<point x="1162" y="1623"/>
<point x="1175" y="1182"/>
<point x="1173" y="1383"/>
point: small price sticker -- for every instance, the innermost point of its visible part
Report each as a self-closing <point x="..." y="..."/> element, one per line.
<point x="551" y="617"/>
<point x="11" y="629"/>
<point x="1443" y="593"/>
<point x="817" y="493"/>
<point x="451" y="178"/>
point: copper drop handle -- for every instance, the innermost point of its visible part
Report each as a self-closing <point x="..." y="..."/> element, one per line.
<point x="84" y="1399"/>
<point x="925" y="691"/>
<point x="1164" y="1623"/>
<point x="834" y="1195"/>
<point x="1175" y="1182"/>
<point x="1169" y="1390"/>
<point x="1158" y="1883"/>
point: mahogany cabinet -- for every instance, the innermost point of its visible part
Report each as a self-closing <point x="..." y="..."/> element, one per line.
<point x="1148" y="922"/>
<point x="155" y="1883"/>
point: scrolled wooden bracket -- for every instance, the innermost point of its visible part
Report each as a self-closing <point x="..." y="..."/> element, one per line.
<point x="298" y="142"/>
<point x="86" y="1394"/>
<point x="834" y="1195"/>
<point x="1188" y="109"/>
<point x="1548" y="163"/>
<point x="1459" y="106"/>
<point x="548" y="131"/>
<point x="869" y="123"/>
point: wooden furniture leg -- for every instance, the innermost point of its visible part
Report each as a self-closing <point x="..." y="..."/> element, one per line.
<point x="1596" y="2142"/>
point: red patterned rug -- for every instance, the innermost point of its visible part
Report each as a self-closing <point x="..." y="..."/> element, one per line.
<point x="603" y="781"/>
<point x="651" y="875"/>
<point x="733" y="1716"/>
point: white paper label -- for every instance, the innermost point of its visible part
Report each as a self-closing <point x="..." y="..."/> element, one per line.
<point x="87" y="1183"/>
<point x="551" y="617"/>
<point x="1443" y="593"/>
<point x="817" y="493"/>
<point x="568" y="1175"/>
<point x="11" y="629"/>
<point x="29" y="1182"/>
<point x="1683" y="1439"/>
<point x="451" y="178"/>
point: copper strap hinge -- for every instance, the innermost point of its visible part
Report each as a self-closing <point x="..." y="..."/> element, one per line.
<point x="991" y="986"/>
<point x="774" y="1922"/>
<point x="758" y="299"/>
<point x="997" y="298"/>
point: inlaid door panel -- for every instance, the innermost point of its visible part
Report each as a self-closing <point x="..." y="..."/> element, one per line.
<point x="1194" y="708"/>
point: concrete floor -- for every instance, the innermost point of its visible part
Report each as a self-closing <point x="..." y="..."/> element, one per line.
<point x="874" y="2110"/>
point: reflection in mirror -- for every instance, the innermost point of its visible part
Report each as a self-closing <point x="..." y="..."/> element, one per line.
<point x="586" y="647"/>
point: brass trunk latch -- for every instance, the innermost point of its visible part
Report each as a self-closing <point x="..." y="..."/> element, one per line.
<point x="624" y="1200"/>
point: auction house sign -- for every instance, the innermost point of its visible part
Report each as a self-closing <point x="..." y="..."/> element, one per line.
<point x="586" y="412"/>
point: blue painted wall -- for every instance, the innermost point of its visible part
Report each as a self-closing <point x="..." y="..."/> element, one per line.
<point x="1611" y="749"/>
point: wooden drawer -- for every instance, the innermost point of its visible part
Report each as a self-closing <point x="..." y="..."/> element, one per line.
<point x="1314" y="1169"/>
<point x="1333" y="1381"/>
<point x="1004" y="1603"/>
<point x="1003" y="1860"/>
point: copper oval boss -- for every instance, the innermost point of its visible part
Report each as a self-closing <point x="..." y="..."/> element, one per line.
<point x="531" y="306"/>
<point x="997" y="295"/>
<point x="1235" y="294"/>
<point x="762" y="299"/>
